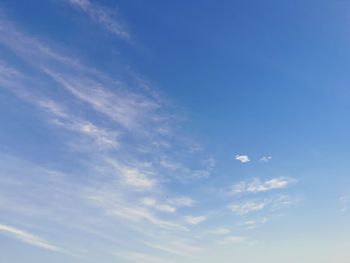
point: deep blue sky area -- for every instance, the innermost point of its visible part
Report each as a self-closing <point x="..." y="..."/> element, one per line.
<point x="174" y="131"/>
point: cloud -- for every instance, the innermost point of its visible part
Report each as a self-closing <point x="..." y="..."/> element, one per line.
<point x="103" y="138"/>
<point x="156" y="205"/>
<point x="283" y="201"/>
<point x="247" y="207"/>
<point x="242" y="158"/>
<point x="252" y="224"/>
<point x="128" y="109"/>
<point x="257" y="186"/>
<point x="195" y="220"/>
<point x="265" y="159"/>
<point x="110" y="190"/>
<point x="134" y="176"/>
<point x="102" y="16"/>
<point x="274" y="203"/>
<point x="206" y="169"/>
<point x="28" y="238"/>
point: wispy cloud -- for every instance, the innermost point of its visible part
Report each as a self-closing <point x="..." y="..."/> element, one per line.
<point x="247" y="207"/>
<point x="101" y="137"/>
<point x="129" y="173"/>
<point x="265" y="159"/>
<point x="273" y="203"/>
<point x="257" y="186"/>
<point x="133" y="175"/>
<point x="28" y="238"/>
<point x="158" y="206"/>
<point x="242" y="158"/>
<point x="101" y="15"/>
<point x="195" y="220"/>
<point x="252" y="224"/>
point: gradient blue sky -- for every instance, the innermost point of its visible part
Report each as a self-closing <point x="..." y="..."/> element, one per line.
<point x="174" y="131"/>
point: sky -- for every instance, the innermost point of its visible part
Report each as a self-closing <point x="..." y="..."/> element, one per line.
<point x="174" y="131"/>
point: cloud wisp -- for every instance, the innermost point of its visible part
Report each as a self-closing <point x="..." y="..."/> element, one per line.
<point x="257" y="186"/>
<point x="101" y="16"/>
<point x="256" y="205"/>
<point x="28" y="238"/>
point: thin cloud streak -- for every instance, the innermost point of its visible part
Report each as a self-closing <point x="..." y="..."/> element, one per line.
<point x="28" y="238"/>
<point x="102" y="16"/>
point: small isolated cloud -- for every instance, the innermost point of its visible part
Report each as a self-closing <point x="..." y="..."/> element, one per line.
<point x="242" y="158"/>
<point x="195" y="220"/>
<point x="257" y="186"/>
<point x="28" y="238"/>
<point x="134" y="176"/>
<point x="265" y="159"/>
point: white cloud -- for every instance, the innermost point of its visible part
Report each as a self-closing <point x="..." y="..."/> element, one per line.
<point x="103" y="138"/>
<point x="195" y="220"/>
<point x="283" y="201"/>
<point x="151" y="202"/>
<point x="247" y="207"/>
<point x="256" y="185"/>
<point x="102" y="16"/>
<point x="252" y="224"/>
<point x="129" y="109"/>
<point x="265" y="159"/>
<point x="242" y="158"/>
<point x="28" y="238"/>
<point x="181" y="248"/>
<point x="116" y="206"/>
<point x="133" y="175"/>
<point x="274" y="203"/>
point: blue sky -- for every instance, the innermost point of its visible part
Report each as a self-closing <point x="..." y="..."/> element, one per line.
<point x="174" y="131"/>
